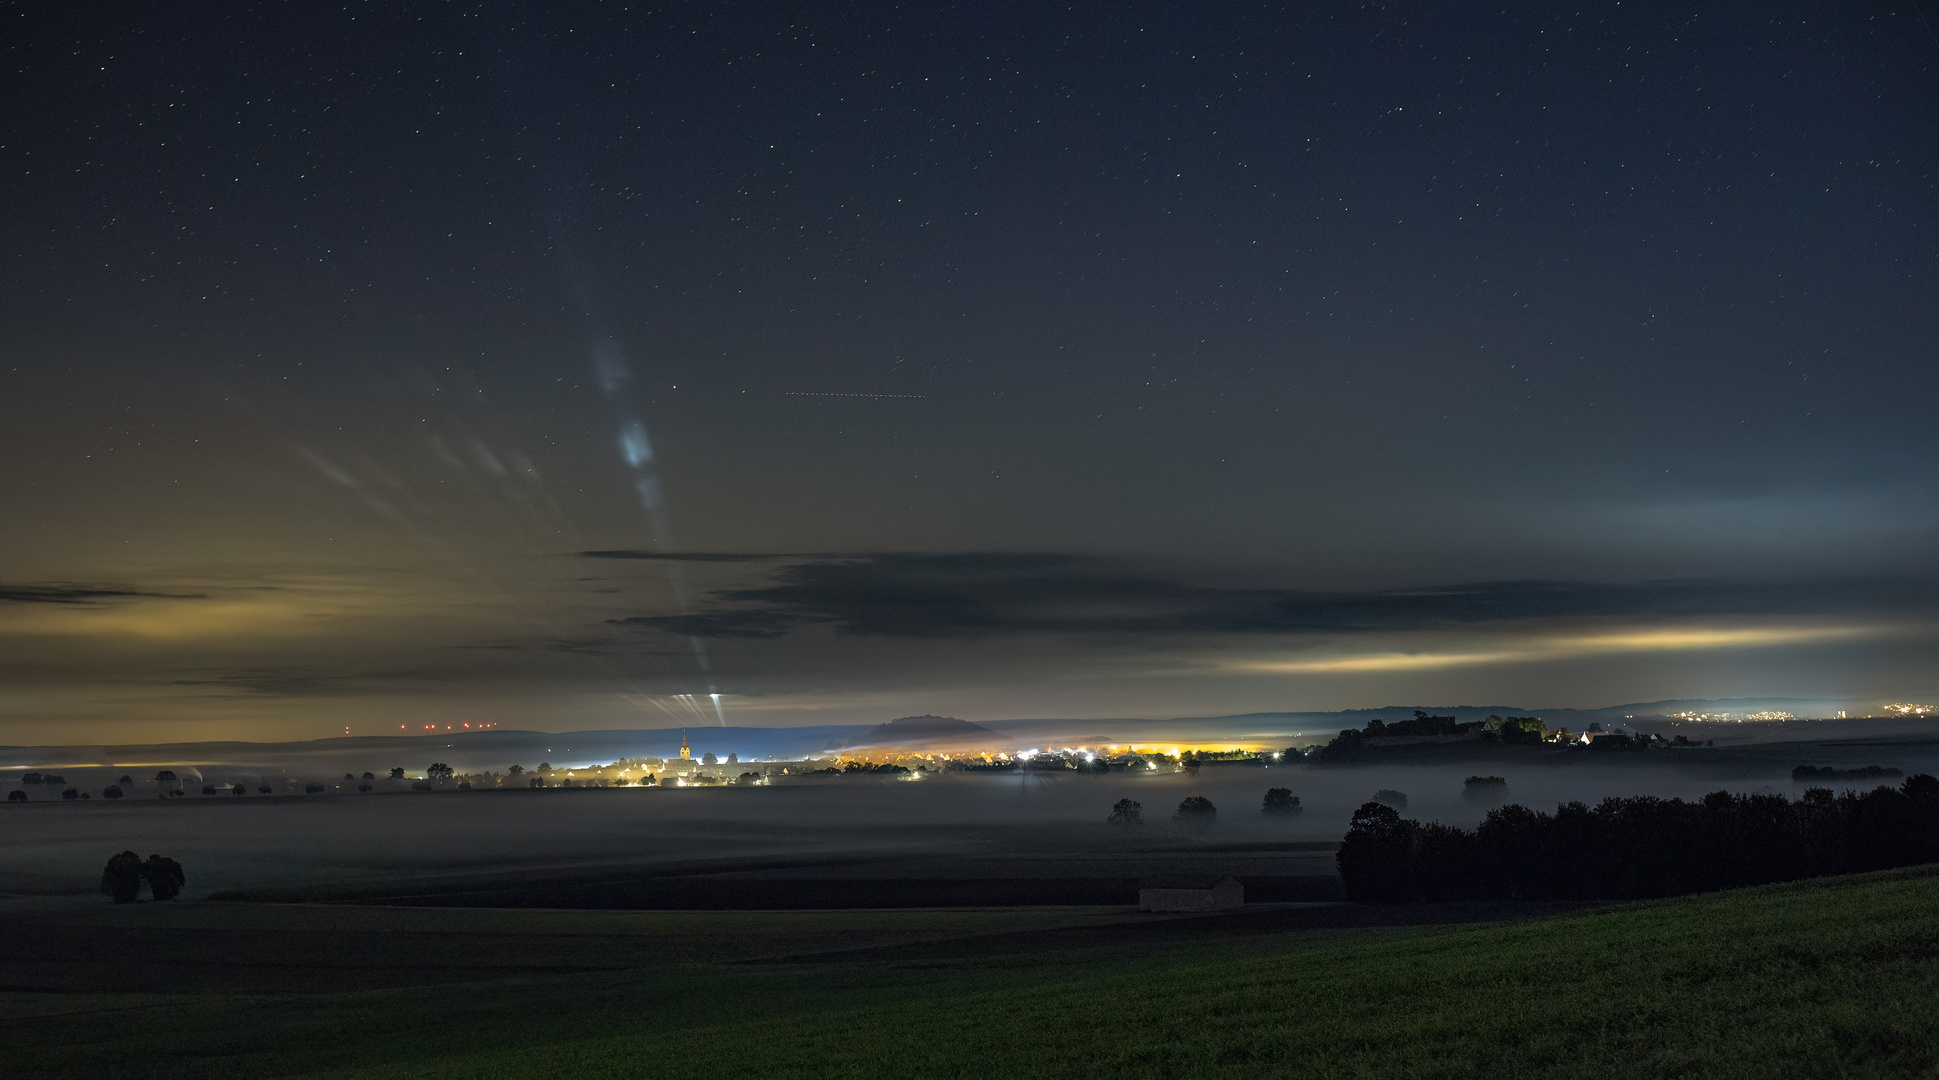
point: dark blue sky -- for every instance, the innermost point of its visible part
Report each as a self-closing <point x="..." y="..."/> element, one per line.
<point x="376" y="316"/>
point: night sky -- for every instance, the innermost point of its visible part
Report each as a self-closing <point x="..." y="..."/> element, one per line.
<point x="560" y="365"/>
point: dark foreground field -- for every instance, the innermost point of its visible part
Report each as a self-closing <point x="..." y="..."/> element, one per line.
<point x="1834" y="977"/>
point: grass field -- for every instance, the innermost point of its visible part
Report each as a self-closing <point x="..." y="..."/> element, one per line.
<point x="1828" y="978"/>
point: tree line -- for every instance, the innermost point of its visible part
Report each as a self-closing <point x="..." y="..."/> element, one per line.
<point x="1640" y="847"/>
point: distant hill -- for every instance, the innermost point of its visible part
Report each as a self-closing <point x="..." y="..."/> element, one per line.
<point x="467" y="751"/>
<point x="925" y="730"/>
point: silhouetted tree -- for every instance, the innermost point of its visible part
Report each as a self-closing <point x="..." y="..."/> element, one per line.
<point x="164" y="876"/>
<point x="70" y="794"/>
<point x="397" y="773"/>
<point x="368" y="776"/>
<point x="208" y="789"/>
<point x="238" y="789"/>
<point x="128" y="780"/>
<point x="121" y="878"/>
<point x="166" y="776"/>
<point x="707" y="759"/>
<point x="1280" y="801"/>
<point x="112" y="791"/>
<point x="515" y="770"/>
<point x="265" y="790"/>
<point x="313" y="789"/>
<point x="1127" y="812"/>
<point x="1377" y="857"/>
<point x="16" y="795"/>
<point x="1196" y="812"/>
<point x="438" y="771"/>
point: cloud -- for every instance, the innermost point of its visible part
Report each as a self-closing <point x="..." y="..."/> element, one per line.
<point x="976" y="595"/>
<point x="66" y="593"/>
<point x="1567" y="646"/>
<point x="680" y="556"/>
<point x="729" y="623"/>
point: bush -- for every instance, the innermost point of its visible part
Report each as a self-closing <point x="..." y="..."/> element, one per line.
<point x="16" y="795"/>
<point x="208" y="789"/>
<point x="112" y="791"/>
<point x="1127" y="812"/>
<point x="1196" y="812"/>
<point x="265" y="790"/>
<point x="70" y="794"/>
<point x="313" y="789"/>
<point x="1280" y="801"/>
<point x="238" y="790"/>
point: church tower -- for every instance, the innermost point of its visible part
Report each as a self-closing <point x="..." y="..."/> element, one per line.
<point x="685" y="754"/>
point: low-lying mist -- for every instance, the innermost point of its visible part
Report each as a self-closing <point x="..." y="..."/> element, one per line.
<point x="350" y="838"/>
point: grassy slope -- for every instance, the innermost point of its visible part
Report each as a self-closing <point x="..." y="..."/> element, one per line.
<point x="1812" y="979"/>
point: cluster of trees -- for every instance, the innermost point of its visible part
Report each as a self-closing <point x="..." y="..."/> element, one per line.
<point x="1485" y="789"/>
<point x="1351" y="744"/>
<point x="1640" y="847"/>
<point x="854" y="767"/>
<point x="125" y="873"/>
<point x="1806" y="773"/>
<point x="1197" y="811"/>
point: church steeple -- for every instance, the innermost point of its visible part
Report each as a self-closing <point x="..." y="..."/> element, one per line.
<point x="685" y="754"/>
